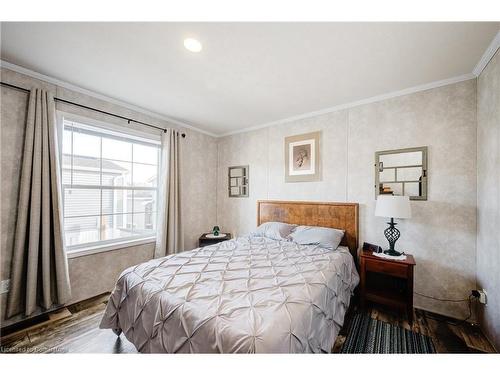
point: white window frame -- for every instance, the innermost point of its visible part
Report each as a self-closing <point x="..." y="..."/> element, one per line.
<point x="114" y="244"/>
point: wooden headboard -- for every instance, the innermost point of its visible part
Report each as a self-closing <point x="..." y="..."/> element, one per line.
<point x="323" y="214"/>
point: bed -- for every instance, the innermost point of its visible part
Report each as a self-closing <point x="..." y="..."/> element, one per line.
<point x="246" y="295"/>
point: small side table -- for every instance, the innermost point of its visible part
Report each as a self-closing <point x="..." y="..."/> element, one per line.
<point x="206" y="241"/>
<point x="388" y="282"/>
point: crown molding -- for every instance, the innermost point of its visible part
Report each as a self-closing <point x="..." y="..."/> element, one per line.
<point x="374" y="99"/>
<point x="487" y="56"/>
<point x="81" y="90"/>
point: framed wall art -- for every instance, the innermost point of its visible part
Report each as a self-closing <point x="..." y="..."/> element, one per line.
<point x="302" y="157"/>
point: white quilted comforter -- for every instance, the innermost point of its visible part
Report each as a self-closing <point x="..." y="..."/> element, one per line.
<point x="247" y="295"/>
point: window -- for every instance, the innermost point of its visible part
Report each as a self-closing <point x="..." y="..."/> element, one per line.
<point x="109" y="184"/>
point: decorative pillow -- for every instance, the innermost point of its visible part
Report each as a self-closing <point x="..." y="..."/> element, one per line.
<point x="274" y="230"/>
<point x="328" y="238"/>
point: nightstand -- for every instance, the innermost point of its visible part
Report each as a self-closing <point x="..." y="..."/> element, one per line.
<point x="206" y="241"/>
<point x="388" y="282"/>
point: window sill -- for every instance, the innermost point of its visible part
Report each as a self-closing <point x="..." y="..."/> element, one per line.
<point x="76" y="253"/>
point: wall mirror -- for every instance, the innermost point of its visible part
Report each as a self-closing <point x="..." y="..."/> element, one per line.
<point x="402" y="172"/>
<point x="238" y="181"/>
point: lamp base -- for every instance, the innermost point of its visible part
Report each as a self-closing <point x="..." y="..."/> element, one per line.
<point x="392" y="234"/>
<point x="392" y="253"/>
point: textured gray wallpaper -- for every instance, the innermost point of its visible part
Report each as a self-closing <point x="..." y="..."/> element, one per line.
<point x="442" y="232"/>
<point x="488" y="177"/>
<point x="96" y="273"/>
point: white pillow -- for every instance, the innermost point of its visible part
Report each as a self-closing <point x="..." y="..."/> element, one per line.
<point x="274" y="230"/>
<point x="328" y="238"/>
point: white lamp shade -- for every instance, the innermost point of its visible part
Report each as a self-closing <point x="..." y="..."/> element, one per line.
<point x="393" y="206"/>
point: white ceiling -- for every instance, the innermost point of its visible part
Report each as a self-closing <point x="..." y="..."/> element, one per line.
<point x="247" y="74"/>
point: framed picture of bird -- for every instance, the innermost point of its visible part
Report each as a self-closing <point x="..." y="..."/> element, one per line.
<point x="302" y="157"/>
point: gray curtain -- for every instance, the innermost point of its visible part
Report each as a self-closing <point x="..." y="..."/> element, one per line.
<point x="39" y="269"/>
<point x="170" y="237"/>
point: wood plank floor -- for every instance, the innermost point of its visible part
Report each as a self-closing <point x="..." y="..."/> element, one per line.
<point x="76" y="330"/>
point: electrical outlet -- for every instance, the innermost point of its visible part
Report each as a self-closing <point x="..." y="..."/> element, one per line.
<point x="483" y="297"/>
<point x="4" y="286"/>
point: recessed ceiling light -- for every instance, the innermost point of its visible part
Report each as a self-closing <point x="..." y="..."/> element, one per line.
<point x="192" y="45"/>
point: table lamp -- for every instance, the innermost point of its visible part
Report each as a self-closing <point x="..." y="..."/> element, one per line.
<point x="394" y="207"/>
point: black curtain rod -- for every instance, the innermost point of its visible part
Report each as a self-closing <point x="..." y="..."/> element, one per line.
<point x="92" y="109"/>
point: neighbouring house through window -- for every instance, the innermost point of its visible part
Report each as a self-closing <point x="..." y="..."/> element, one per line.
<point x="109" y="184"/>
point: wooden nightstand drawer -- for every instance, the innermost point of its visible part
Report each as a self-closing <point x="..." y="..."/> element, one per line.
<point x="392" y="269"/>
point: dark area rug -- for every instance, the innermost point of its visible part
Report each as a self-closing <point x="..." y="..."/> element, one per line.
<point x="367" y="335"/>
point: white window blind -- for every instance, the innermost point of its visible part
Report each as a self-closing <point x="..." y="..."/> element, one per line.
<point x="109" y="185"/>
